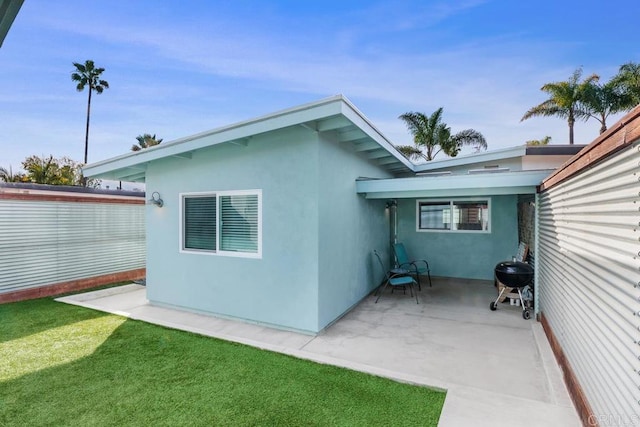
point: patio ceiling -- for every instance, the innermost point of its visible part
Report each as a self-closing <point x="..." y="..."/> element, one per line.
<point x="481" y="184"/>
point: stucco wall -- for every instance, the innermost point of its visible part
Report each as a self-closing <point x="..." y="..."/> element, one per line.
<point x="281" y="287"/>
<point x="350" y="228"/>
<point x="462" y="255"/>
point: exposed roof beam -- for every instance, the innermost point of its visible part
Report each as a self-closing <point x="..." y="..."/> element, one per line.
<point x="333" y="123"/>
<point x="351" y="135"/>
<point x="242" y="142"/>
<point x="367" y="146"/>
<point x="312" y="126"/>
<point x="139" y="177"/>
<point x="127" y="172"/>
<point x="388" y="160"/>
<point x="380" y="153"/>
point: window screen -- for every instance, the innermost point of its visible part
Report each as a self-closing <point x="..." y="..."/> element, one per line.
<point x="239" y="223"/>
<point x="435" y="216"/>
<point x="453" y="215"/>
<point x="200" y="223"/>
<point x="223" y="223"/>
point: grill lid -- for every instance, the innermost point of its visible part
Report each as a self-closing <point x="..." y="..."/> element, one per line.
<point x="514" y="274"/>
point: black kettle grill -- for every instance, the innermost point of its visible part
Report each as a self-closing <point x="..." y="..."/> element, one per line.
<point x="516" y="275"/>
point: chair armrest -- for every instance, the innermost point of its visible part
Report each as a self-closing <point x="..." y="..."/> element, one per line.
<point x="408" y="266"/>
<point x="421" y="260"/>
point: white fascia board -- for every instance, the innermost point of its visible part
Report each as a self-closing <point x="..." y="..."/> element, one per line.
<point x="463" y="192"/>
<point x="497" y="183"/>
<point x="471" y="159"/>
<point x="359" y="119"/>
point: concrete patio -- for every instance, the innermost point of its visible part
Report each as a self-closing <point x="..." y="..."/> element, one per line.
<point x="497" y="368"/>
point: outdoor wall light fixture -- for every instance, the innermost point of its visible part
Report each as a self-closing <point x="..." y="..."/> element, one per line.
<point x="391" y="203"/>
<point x="156" y="200"/>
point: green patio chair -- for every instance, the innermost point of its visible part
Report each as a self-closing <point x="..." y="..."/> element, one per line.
<point x="417" y="267"/>
<point x="399" y="279"/>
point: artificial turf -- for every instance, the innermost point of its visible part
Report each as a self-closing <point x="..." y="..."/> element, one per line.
<point x="62" y="365"/>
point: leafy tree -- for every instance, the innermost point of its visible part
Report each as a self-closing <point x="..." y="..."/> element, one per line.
<point x="628" y="80"/>
<point x="41" y="170"/>
<point x="544" y="141"/>
<point x="145" y="141"/>
<point x="565" y="100"/>
<point x="88" y="75"/>
<point x="602" y="100"/>
<point x="431" y="136"/>
<point x="54" y="171"/>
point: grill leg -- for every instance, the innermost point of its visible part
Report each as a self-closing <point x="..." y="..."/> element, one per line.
<point x="500" y="295"/>
<point x="494" y="305"/>
<point x="521" y="300"/>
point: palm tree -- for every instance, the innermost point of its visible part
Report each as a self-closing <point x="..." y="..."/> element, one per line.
<point x="145" y="141"/>
<point x="9" y="176"/>
<point x="628" y="79"/>
<point x="88" y="75"/>
<point x="602" y="100"/>
<point x="564" y="101"/>
<point x="431" y="136"/>
<point x="6" y="175"/>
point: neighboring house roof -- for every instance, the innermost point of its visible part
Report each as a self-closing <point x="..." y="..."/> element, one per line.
<point x="335" y="114"/>
<point x="619" y="136"/>
<point x="8" y="12"/>
<point x="498" y="155"/>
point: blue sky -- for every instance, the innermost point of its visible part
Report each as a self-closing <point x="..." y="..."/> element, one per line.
<point x="181" y="67"/>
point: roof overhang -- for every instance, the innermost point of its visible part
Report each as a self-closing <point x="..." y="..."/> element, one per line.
<point x="522" y="182"/>
<point x="336" y="115"/>
<point x="8" y="12"/>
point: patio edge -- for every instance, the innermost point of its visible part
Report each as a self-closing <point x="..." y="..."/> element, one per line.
<point x="72" y="286"/>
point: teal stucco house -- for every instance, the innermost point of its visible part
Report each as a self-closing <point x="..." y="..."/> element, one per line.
<point x="274" y="220"/>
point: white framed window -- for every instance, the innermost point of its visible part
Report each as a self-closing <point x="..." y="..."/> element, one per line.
<point x="225" y="223"/>
<point x="454" y="215"/>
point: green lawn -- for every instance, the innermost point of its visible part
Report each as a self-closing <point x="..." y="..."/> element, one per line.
<point x="66" y="365"/>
